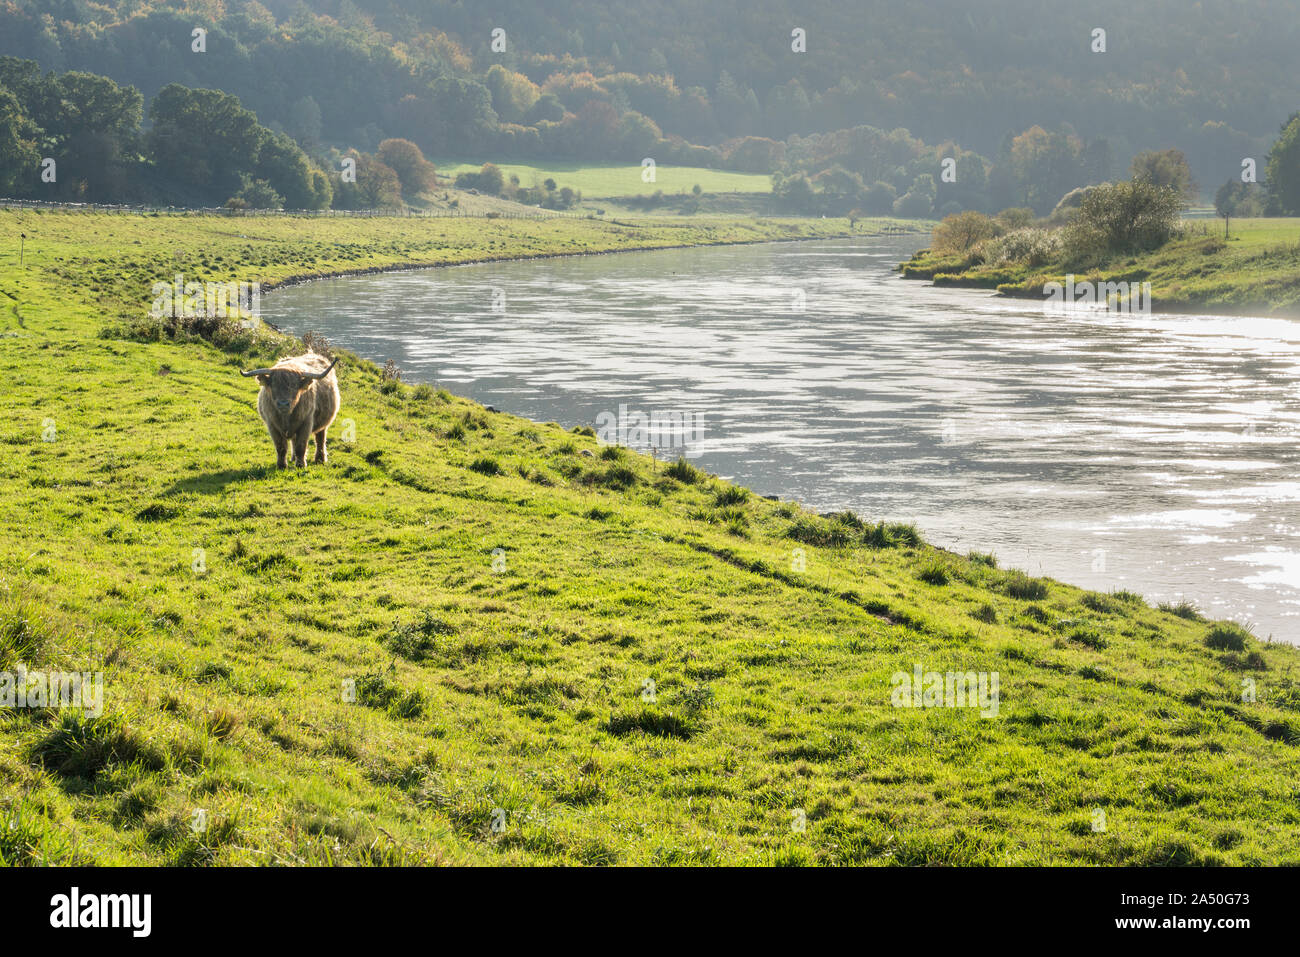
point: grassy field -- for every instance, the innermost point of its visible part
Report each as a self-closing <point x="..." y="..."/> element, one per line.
<point x="500" y="594"/>
<point x="1255" y="270"/>
<point x="624" y="179"/>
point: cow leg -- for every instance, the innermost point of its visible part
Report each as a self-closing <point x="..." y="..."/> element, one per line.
<point x="300" y="446"/>
<point x="320" y="447"/>
<point x="281" y="449"/>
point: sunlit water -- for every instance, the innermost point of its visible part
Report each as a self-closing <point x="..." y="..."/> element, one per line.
<point x="1153" y="453"/>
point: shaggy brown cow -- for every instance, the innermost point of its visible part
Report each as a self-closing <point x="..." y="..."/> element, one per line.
<point x="299" y="398"/>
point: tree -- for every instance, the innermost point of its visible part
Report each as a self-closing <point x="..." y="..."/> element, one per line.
<point x="488" y="179"/>
<point x="1120" y="219"/>
<point x="1225" y="202"/>
<point x="918" y="201"/>
<point x="203" y="139"/>
<point x="1165" y="168"/>
<point x="255" y="194"/>
<point x="794" y="191"/>
<point x="513" y="94"/>
<point x="286" y="168"/>
<point x="547" y="109"/>
<point x="957" y="234"/>
<point x="1045" y="166"/>
<point x="839" y="188"/>
<point x="92" y="129"/>
<point x="1283" y="169"/>
<point x="756" y="154"/>
<point x="19" y="158"/>
<point x="376" y="186"/>
<point x="491" y="180"/>
<point x="1235" y="198"/>
<point x="878" y="199"/>
<point x="404" y="158"/>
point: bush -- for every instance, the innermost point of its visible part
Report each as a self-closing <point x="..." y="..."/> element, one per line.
<point x="730" y="495"/>
<point x="914" y="204"/>
<point x="1183" y="609"/>
<point x="816" y="531"/>
<point x="683" y="471"/>
<point x="959" y="233"/>
<point x="1019" y="585"/>
<point x="934" y="573"/>
<point x="1029" y="246"/>
<point x="82" y="746"/>
<point x="1121" y="219"/>
<point x="416" y="640"/>
<point x="1016" y="217"/>
<point x="618" y="477"/>
<point x="890" y="535"/>
<point x="1227" y="637"/>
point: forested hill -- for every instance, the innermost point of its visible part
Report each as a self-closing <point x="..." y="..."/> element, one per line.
<point x="1213" y="78"/>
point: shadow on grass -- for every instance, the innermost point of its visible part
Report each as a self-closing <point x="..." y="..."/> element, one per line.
<point x="215" y="482"/>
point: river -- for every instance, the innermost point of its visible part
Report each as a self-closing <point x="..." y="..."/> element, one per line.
<point x="1155" y="453"/>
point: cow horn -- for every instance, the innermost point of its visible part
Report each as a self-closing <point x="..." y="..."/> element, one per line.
<point x="321" y="375"/>
<point x="253" y="372"/>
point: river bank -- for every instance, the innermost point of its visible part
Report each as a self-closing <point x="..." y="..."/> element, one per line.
<point x="1254" y="272"/>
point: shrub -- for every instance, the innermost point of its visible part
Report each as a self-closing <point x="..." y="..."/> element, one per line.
<point x="21" y="638"/>
<point x="1030" y="246"/>
<point x="1019" y="585"/>
<point x="890" y="535"/>
<point x="314" y="342"/>
<point x="1183" y="609"/>
<point x="959" y="233"/>
<point x="934" y="573"/>
<point x="82" y="746"/>
<point x="1227" y="637"/>
<point x="1016" y="217"/>
<point x="1121" y="219"/>
<point x="683" y="471"/>
<point x="730" y="495"/>
<point x="618" y="477"/>
<point x="376" y="691"/>
<point x="418" y="639"/>
<point x="814" y="531"/>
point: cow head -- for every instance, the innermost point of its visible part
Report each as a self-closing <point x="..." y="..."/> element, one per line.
<point x="286" y="385"/>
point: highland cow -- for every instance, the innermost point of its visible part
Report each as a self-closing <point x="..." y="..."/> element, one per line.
<point x="299" y="399"/>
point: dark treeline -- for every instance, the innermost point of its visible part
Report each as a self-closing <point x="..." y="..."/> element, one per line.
<point x="884" y="92"/>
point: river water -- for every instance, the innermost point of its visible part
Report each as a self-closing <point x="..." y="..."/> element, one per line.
<point x="1154" y="453"/>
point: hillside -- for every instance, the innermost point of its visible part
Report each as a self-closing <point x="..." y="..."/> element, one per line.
<point x="501" y="591"/>
<point x="1213" y="81"/>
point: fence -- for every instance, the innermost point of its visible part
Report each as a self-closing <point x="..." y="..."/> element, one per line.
<point x="403" y="211"/>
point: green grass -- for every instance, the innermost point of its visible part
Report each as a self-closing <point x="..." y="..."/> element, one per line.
<point x="1256" y="270"/>
<point x="627" y="664"/>
<point x="623" y="179"/>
